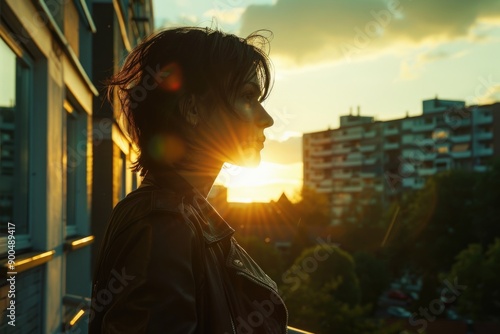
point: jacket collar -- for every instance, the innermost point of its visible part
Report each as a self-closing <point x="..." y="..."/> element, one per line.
<point x="193" y="205"/>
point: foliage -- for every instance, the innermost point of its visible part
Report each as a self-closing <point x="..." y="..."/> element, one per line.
<point x="313" y="208"/>
<point x="479" y="271"/>
<point x="434" y="224"/>
<point x="327" y="299"/>
<point x="265" y="254"/>
<point x="373" y="276"/>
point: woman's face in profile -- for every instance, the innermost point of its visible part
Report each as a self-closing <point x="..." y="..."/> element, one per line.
<point x="238" y="137"/>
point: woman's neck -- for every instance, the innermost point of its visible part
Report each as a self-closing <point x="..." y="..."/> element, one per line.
<point x="200" y="172"/>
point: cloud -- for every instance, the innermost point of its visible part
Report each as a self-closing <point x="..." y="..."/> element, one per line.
<point x="227" y="16"/>
<point x="492" y="95"/>
<point x="324" y="30"/>
<point x="412" y="67"/>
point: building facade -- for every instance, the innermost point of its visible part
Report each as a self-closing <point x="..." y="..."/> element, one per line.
<point x="366" y="161"/>
<point x="46" y="112"/>
<point x="50" y="132"/>
<point x="120" y="25"/>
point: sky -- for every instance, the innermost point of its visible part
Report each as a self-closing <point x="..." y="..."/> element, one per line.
<point x="332" y="57"/>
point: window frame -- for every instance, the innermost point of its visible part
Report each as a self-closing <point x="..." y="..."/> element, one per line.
<point x="24" y="96"/>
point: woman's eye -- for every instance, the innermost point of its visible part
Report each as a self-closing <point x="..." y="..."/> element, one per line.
<point x="248" y="97"/>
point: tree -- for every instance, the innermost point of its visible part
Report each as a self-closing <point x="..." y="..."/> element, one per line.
<point x="478" y="273"/>
<point x="487" y="210"/>
<point x="265" y="254"/>
<point x="373" y="276"/>
<point x="434" y="224"/>
<point x="323" y="294"/>
<point x="313" y="208"/>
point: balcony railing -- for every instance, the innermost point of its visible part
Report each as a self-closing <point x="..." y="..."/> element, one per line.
<point x="321" y="153"/>
<point x="461" y="138"/>
<point x="367" y="148"/>
<point x="341" y="175"/>
<point x="391" y="146"/>
<point x="369" y="161"/>
<point x="427" y="171"/>
<point x="340" y="150"/>
<point x="484" y="135"/>
<point x="462" y="154"/>
<point x="408" y="124"/>
<point x="390" y="132"/>
<point x="483" y="119"/>
<point x="327" y="183"/>
<point x="352" y="188"/>
<point x="484" y="151"/>
<point x="423" y="127"/>
<point x="349" y="136"/>
<point x="320" y="140"/>
<point x="322" y="165"/>
<point x="351" y="163"/>
<point x="480" y="168"/>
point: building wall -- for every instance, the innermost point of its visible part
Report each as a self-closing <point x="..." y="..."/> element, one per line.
<point x="47" y="195"/>
<point x="120" y="26"/>
<point x="365" y="162"/>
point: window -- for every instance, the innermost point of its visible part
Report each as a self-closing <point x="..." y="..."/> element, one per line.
<point x="74" y="161"/>
<point x="442" y="149"/>
<point x="71" y="162"/>
<point x="440" y="134"/>
<point x="461" y="147"/>
<point x="123" y="176"/>
<point x="14" y="145"/>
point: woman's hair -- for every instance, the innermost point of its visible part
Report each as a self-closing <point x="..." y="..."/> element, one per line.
<point x="162" y="74"/>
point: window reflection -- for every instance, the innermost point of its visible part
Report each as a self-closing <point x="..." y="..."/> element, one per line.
<point x="7" y="129"/>
<point x="13" y="144"/>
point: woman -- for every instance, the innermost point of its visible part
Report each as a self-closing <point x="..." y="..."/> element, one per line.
<point x="191" y="99"/>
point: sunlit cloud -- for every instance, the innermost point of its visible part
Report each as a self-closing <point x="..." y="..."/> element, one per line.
<point x="492" y="95"/>
<point x="327" y="31"/>
<point x="230" y="16"/>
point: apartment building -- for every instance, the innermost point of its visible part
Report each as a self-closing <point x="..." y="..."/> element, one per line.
<point x="366" y="161"/>
<point x="50" y="131"/>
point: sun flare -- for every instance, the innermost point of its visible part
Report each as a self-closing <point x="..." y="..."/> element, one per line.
<point x="261" y="184"/>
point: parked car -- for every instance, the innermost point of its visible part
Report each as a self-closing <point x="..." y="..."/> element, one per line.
<point x="398" y="311"/>
<point x="399" y="295"/>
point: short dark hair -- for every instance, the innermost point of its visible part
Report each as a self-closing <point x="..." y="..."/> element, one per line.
<point x="173" y="64"/>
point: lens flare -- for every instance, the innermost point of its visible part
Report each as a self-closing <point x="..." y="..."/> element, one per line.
<point x="171" y="77"/>
<point x="167" y="148"/>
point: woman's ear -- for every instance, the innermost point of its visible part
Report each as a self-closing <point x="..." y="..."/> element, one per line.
<point x="189" y="110"/>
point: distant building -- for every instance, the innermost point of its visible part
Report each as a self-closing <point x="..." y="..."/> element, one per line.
<point x="365" y="161"/>
<point x="274" y="222"/>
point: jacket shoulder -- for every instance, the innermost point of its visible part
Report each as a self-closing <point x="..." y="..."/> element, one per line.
<point x="142" y="203"/>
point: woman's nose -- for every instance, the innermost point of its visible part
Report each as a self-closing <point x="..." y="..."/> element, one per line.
<point x="265" y="120"/>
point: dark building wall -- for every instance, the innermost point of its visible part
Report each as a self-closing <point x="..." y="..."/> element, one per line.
<point x="102" y="171"/>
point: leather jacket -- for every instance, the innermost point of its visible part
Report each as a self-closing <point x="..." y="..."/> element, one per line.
<point x="170" y="264"/>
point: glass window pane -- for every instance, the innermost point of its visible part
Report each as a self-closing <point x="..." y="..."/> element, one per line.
<point x="73" y="162"/>
<point x="13" y="144"/>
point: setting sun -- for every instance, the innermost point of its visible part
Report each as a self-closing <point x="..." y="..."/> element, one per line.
<point x="262" y="184"/>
